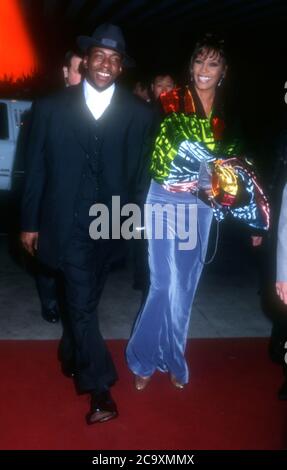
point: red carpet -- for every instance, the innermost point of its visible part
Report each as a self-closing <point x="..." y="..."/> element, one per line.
<point x="230" y="402"/>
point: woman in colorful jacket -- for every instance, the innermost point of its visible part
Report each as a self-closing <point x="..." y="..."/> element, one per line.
<point x="195" y="175"/>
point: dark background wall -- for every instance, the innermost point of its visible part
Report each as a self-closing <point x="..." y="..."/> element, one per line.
<point x="161" y="35"/>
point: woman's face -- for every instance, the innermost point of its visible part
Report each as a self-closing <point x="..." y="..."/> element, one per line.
<point x="207" y="70"/>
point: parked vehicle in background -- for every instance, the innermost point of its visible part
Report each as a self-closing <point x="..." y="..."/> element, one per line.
<point x="13" y="120"/>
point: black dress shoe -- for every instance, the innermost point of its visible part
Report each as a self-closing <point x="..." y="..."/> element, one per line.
<point x="51" y="315"/>
<point x="282" y="392"/>
<point x="103" y="408"/>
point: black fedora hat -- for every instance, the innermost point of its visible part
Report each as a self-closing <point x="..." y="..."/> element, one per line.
<point x="109" y="36"/>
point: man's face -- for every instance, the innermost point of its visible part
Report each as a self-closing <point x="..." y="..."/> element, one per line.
<point x="71" y="74"/>
<point x="103" y="67"/>
<point x="162" y="83"/>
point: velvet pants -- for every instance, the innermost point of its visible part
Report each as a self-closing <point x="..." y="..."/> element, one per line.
<point x="176" y="260"/>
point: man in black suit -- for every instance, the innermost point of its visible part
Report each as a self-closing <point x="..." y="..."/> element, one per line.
<point x="88" y="143"/>
<point x="48" y="285"/>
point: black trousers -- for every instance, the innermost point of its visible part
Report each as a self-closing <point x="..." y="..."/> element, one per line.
<point x="271" y="305"/>
<point x="48" y="287"/>
<point x="85" y="268"/>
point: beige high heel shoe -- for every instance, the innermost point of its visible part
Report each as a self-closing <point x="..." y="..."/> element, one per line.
<point x="141" y="382"/>
<point x="175" y="382"/>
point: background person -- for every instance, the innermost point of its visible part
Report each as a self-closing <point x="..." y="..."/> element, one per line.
<point x="162" y="83"/>
<point x="72" y="69"/>
<point x="48" y="283"/>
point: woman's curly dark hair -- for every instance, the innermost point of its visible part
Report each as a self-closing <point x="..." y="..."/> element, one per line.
<point x="209" y="43"/>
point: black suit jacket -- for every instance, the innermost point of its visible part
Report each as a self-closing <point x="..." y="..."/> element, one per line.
<point x="56" y="155"/>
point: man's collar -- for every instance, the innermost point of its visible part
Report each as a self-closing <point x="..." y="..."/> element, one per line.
<point x="91" y="92"/>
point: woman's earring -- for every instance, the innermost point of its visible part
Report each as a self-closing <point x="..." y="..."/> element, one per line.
<point x="221" y="80"/>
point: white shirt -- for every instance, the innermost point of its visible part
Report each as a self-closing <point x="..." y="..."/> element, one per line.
<point x="97" y="101"/>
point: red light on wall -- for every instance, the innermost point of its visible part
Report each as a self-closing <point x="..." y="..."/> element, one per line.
<point x="17" y="56"/>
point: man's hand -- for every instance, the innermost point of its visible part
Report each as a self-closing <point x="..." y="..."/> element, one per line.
<point x="256" y="241"/>
<point x="281" y="289"/>
<point x="30" y="241"/>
